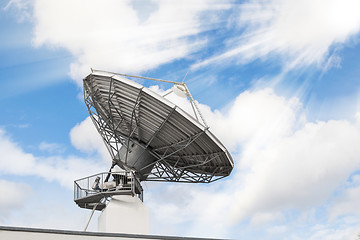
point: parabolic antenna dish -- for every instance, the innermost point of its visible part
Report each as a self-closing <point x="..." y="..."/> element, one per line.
<point x="146" y="133"/>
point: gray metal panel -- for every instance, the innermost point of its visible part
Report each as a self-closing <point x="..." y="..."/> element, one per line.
<point x="185" y="150"/>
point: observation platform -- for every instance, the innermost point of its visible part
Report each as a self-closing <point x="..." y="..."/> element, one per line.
<point x="94" y="191"/>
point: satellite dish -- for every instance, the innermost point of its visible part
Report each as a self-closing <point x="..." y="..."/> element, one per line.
<point x="151" y="136"/>
<point x="151" y="139"/>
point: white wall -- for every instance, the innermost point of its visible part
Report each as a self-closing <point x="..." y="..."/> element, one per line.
<point x="125" y="214"/>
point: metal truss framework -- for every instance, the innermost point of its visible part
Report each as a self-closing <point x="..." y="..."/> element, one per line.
<point x="121" y="121"/>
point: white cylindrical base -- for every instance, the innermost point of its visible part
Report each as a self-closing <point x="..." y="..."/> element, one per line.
<point x="125" y="214"/>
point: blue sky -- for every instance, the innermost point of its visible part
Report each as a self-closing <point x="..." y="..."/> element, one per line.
<point x="277" y="81"/>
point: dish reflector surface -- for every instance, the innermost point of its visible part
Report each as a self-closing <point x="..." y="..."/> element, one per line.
<point x="145" y="132"/>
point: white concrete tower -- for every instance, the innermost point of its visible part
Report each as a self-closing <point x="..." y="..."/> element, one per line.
<point x="125" y="214"/>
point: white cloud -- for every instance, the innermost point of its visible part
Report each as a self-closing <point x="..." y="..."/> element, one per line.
<point x="14" y="197"/>
<point x="123" y="36"/>
<point x="110" y="35"/>
<point x="301" y="170"/>
<point x="258" y="116"/>
<point x="178" y="205"/>
<point x="283" y="163"/>
<point x="20" y="205"/>
<point x="64" y="170"/>
<point x="300" y="32"/>
<point x="348" y="202"/>
<point x="86" y="138"/>
<point x="51" y="211"/>
<point x="51" y="147"/>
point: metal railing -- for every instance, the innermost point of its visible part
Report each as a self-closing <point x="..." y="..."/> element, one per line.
<point x="108" y="184"/>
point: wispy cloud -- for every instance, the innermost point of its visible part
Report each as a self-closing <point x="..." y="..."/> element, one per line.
<point x="301" y="33"/>
<point x="22" y="9"/>
<point x="53" y="148"/>
<point x="111" y="35"/>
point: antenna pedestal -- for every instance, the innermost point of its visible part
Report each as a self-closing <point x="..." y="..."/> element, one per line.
<point x="125" y="214"/>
